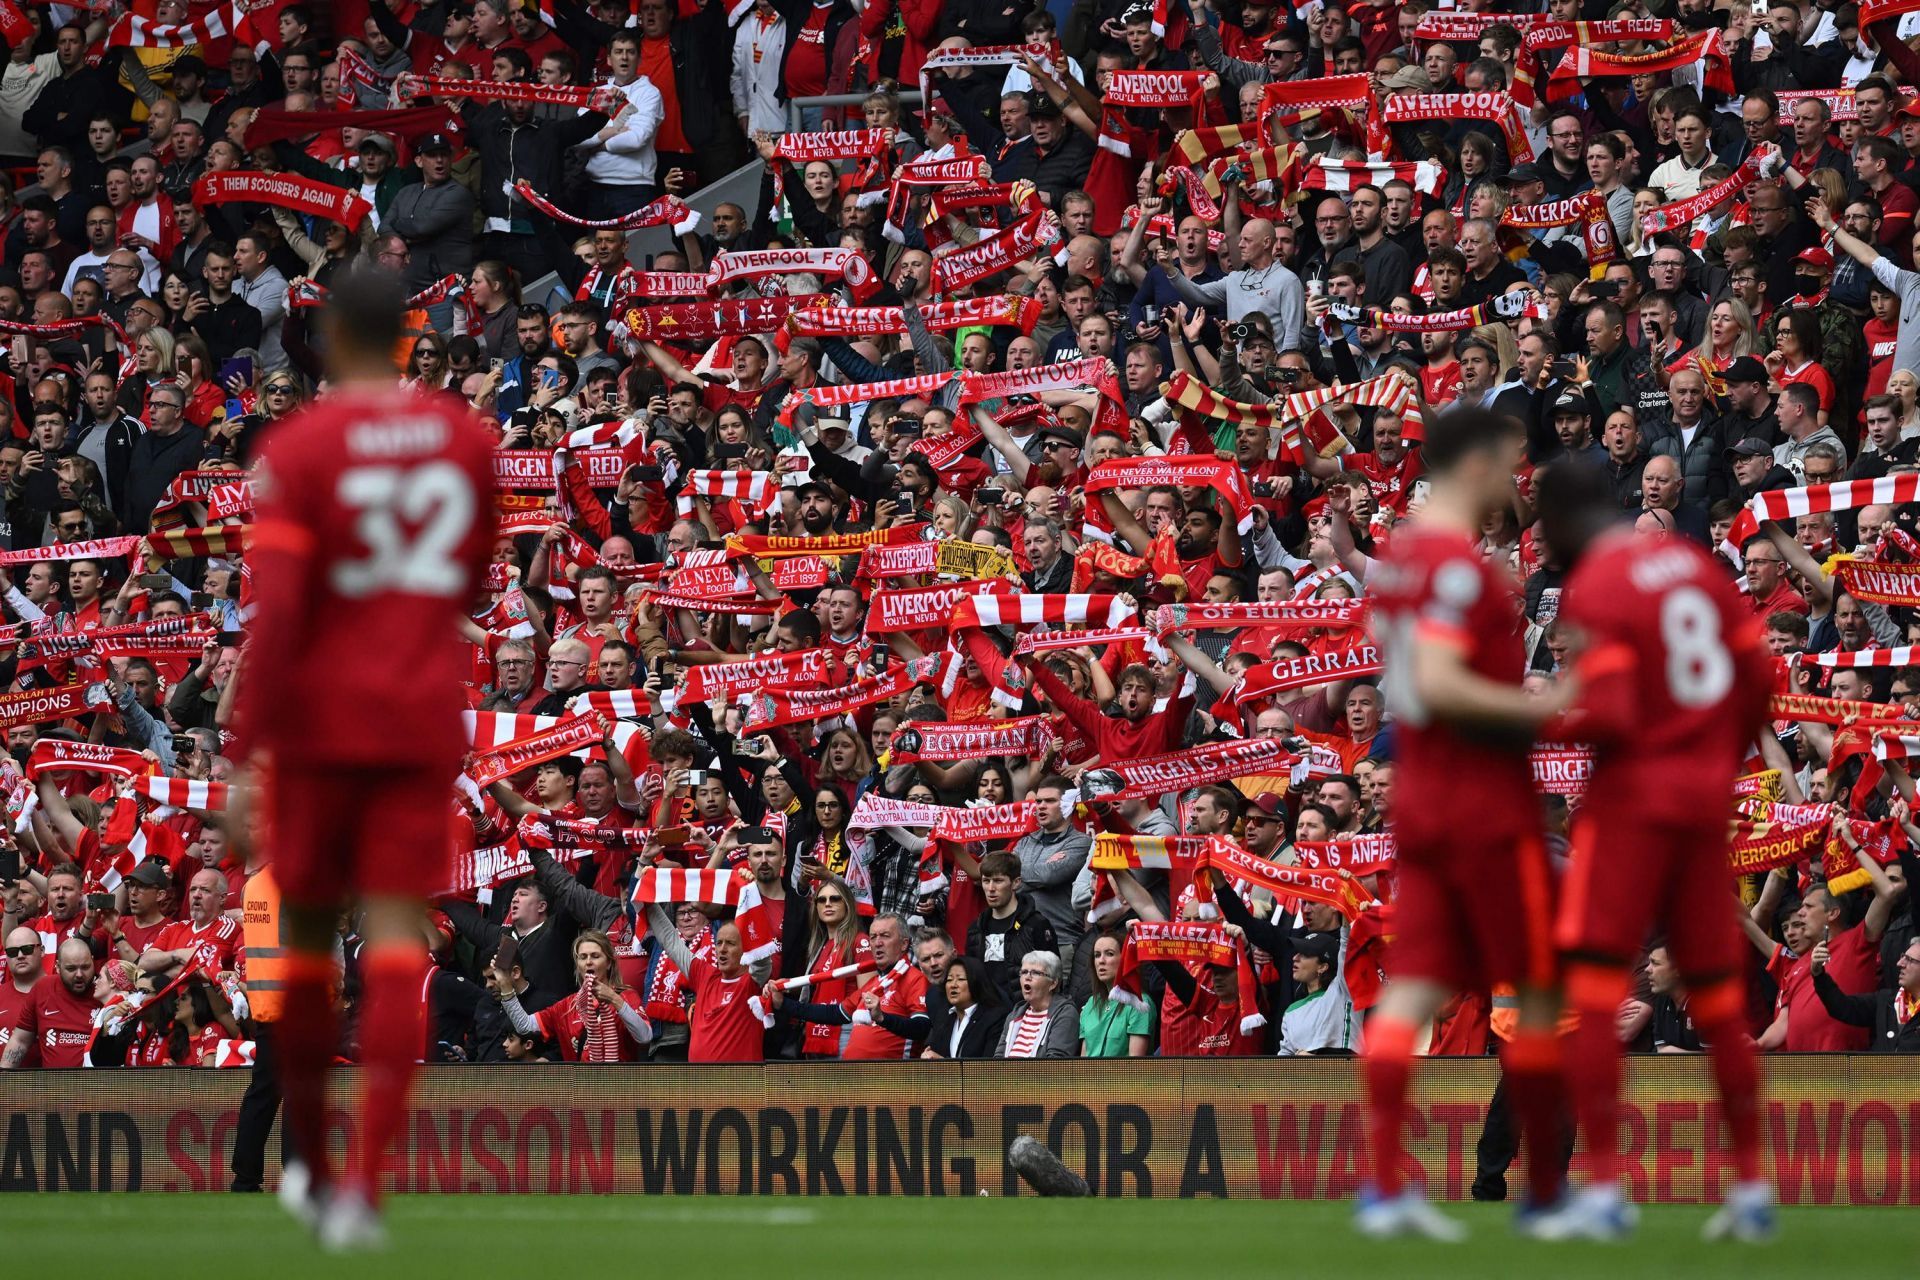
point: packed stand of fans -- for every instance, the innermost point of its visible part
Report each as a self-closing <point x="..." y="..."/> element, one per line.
<point x="784" y="742"/>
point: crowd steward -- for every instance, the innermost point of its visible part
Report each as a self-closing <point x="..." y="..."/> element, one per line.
<point x="929" y="616"/>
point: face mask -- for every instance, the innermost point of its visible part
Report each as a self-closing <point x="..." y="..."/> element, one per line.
<point x="1808" y="284"/>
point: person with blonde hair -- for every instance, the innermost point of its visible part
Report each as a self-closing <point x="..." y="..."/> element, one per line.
<point x="601" y="1022"/>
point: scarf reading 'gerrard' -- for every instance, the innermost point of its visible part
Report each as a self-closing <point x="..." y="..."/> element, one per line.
<point x="1299" y="673"/>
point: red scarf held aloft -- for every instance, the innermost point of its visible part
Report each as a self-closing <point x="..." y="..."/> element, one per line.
<point x="688" y="322"/>
<point x="1223" y="476"/>
<point x="1877" y="583"/>
<point x="939" y="317"/>
<point x="275" y="124"/>
<point x="1681" y="213"/>
<point x="778" y="546"/>
<point x="1162" y="90"/>
<point x="1360" y="855"/>
<point x="1541" y="34"/>
<point x="43" y="706"/>
<point x="1784" y="836"/>
<point x="1408" y="108"/>
<point x="667" y="211"/>
<point x="760" y="264"/>
<point x="1299" y="673"/>
<point x="1289" y="884"/>
<point x="565" y="738"/>
<point x="996" y="253"/>
<point x="1328" y="614"/>
<point x="54" y="755"/>
<point x="1195" y="944"/>
<point x="1582" y="64"/>
<point x="977" y="740"/>
<point x="136" y="32"/>
<point x="92" y="549"/>
<point x="607" y="99"/>
<point x="663" y="884"/>
<point x="920" y="608"/>
<point x="1352" y="92"/>
<point x="285" y="191"/>
<point x="770" y="708"/>
<point x="1155" y="776"/>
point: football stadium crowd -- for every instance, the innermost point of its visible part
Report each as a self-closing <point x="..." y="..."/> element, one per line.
<point x="929" y="616"/>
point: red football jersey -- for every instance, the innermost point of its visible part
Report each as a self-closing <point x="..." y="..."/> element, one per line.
<point x="58" y="1023"/>
<point x="1436" y="588"/>
<point x="724" y="1027"/>
<point x="216" y="945"/>
<point x="12" y="1003"/>
<point x="373" y="524"/>
<point x="903" y="993"/>
<point x="1673" y="671"/>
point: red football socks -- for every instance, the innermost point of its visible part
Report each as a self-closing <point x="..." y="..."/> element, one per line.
<point x="393" y="1028"/>
<point x="1531" y="1062"/>
<point x="1595" y="991"/>
<point x="1388" y="1069"/>
<point x="307" y="1037"/>
<point x="1719" y="1011"/>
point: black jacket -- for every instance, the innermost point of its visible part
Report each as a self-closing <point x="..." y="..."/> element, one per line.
<point x="1025" y="932"/>
<point x="151" y="467"/>
<point x="59" y="115"/>
<point x="535" y="151"/>
<point x="546" y="954"/>
<point x="980" y="1038"/>
<point x="121" y="434"/>
<point x="1875" y="1010"/>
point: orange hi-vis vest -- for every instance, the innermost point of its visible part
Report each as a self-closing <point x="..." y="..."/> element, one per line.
<point x="262" y="926"/>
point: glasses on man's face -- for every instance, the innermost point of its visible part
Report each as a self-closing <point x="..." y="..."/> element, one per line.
<point x="565" y="662"/>
<point x="385" y="254"/>
<point x="513" y="662"/>
<point x="18" y="952"/>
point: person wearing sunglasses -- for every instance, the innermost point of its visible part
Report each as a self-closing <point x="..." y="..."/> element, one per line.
<point x="24" y="968"/>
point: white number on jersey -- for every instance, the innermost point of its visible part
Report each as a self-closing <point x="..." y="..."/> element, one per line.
<point x="1699" y="668"/>
<point x="436" y="498"/>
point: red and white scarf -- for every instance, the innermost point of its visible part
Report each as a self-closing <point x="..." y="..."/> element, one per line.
<point x="664" y="884"/>
<point x="1361" y="855"/>
<point x="939" y="317"/>
<point x="667" y="211"/>
<point x="1192" y="943"/>
<point x="1223" y="476"/>
<point x="1583" y="64"/>
<point x="285" y="191"/>
<point x="1500" y="108"/>
<point x="1842" y="495"/>
<point x="136" y="32"/>
<point x="1333" y="615"/>
<point x="760" y="264"/>
<point x="993" y="254"/>
<point x="771" y="708"/>
<point x="1155" y="776"/>
<point x="691" y="322"/>
<point x="919" y="608"/>
<point x="570" y="735"/>
<point x="606" y="98"/>
<point x="1027" y="736"/>
<point x="1681" y="213"/>
<point x="730" y="680"/>
<point x="1299" y="673"/>
<point x="1541" y="34"/>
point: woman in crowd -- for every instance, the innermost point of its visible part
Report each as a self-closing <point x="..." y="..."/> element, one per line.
<point x="1112" y="1028"/>
<point x="1045" y="1025"/>
<point x="968" y="1024"/>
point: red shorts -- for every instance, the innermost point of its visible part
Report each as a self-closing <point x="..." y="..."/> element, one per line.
<point x="336" y="832"/>
<point x="1473" y="917"/>
<point x="1632" y="876"/>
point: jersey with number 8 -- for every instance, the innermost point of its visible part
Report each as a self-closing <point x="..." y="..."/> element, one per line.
<point x="374" y="521"/>
<point x="1674" y="675"/>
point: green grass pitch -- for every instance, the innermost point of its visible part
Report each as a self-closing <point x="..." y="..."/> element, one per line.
<point x="556" y="1238"/>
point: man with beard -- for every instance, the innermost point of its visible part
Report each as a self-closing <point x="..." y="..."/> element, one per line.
<point x="1388" y="270"/>
<point x="56" y="1025"/>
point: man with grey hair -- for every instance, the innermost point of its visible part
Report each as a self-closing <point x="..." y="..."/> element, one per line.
<point x="513" y="688"/>
<point x="887" y="1013"/>
<point x="169" y="446"/>
<point x="1052" y="570"/>
<point x="1258" y="282"/>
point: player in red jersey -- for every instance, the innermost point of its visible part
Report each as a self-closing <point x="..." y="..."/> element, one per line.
<point x="1673" y="679"/>
<point x="1472" y="901"/>
<point x="374" y="521"/>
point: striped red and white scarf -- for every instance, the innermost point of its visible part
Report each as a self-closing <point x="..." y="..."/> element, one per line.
<point x="1841" y="495"/>
<point x="664" y="884"/>
<point x="758" y="491"/>
<point x="136" y="32"/>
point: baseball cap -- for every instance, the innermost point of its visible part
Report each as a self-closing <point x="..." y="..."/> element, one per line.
<point x="1267" y="803"/>
<point x="825" y="423"/>
<point x="1751" y="447"/>
<point x="1572" y="402"/>
<point x="380" y="140"/>
<point x="1745" y="369"/>
<point x="1815" y="257"/>
<point x="1046" y="108"/>
<point x="1321" y="946"/>
<point x="150" y="874"/>
<point x="1520" y="175"/>
<point x="434" y="142"/>
<point x="811" y="483"/>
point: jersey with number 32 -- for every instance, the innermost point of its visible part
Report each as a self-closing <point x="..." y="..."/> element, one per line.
<point x="374" y="519"/>
<point x="1674" y="675"/>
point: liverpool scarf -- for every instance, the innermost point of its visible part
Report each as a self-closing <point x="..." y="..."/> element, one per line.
<point x="1156" y="776"/>
<point x="1877" y="583"/>
<point x="1223" y="476"/>
<point x="1407" y="108"/>
<point x="570" y="735"/>
<point x="276" y="124"/>
<point x="285" y="191"/>
<point x="1785" y="836"/>
<point x="1027" y="736"/>
<point x="758" y="264"/>
<point x="44" y="706"/>
<point x="920" y="608"/>
<point x="1541" y="34"/>
<point x="770" y="708"/>
<point x="1583" y="64"/>
<point x="993" y="254"/>
<point x="607" y="99"/>
<point x="92" y="549"/>
<point x="690" y="322"/>
<point x="1364" y="854"/>
<point x="1162" y="90"/>
<point x="56" y="755"/>
<point x="1332" y="615"/>
<point x="780" y="546"/>
<point x="1506" y="306"/>
<point x="939" y="317"/>
<point x="1187" y="942"/>
<point x="1289" y="884"/>
<point x="1681" y="213"/>
<point x="730" y="680"/>
<point x="1834" y="711"/>
<point x="667" y="211"/>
